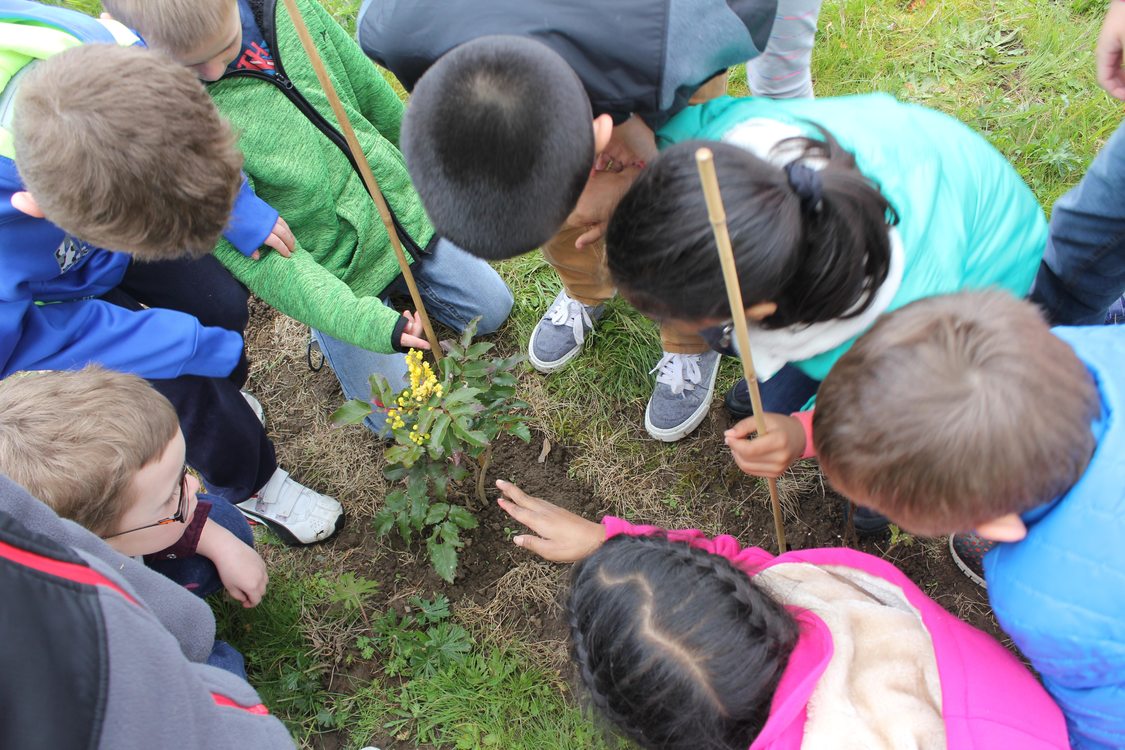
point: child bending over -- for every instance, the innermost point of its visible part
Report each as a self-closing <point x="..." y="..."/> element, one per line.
<point x="688" y="642"/>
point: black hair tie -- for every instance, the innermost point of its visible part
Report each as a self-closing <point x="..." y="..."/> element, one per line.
<point x="806" y="183"/>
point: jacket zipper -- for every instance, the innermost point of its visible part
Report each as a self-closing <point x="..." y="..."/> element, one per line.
<point x="287" y="87"/>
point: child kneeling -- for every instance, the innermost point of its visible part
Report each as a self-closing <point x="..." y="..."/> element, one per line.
<point x="105" y="450"/>
<point x="689" y="642"/>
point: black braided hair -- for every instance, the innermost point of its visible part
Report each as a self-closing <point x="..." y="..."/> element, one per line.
<point x="676" y="647"/>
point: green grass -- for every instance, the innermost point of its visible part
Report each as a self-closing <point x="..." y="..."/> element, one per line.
<point x="1018" y="71"/>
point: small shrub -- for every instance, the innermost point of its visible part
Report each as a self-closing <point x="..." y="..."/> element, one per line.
<point x="443" y="429"/>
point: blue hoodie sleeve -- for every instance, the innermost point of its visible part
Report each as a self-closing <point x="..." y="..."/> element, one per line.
<point x="251" y="221"/>
<point x="49" y="318"/>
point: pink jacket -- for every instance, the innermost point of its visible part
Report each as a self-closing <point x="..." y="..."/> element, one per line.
<point x="990" y="701"/>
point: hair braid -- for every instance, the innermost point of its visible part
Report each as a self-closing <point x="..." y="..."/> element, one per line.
<point x="653" y="623"/>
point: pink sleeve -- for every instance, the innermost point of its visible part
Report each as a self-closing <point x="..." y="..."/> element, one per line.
<point x="749" y="559"/>
<point x="806" y="419"/>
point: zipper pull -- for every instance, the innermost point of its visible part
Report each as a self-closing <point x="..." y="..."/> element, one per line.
<point x="284" y="82"/>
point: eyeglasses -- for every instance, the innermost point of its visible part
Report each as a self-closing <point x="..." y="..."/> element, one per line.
<point x="181" y="510"/>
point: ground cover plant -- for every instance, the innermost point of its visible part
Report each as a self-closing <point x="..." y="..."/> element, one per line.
<point x="360" y="642"/>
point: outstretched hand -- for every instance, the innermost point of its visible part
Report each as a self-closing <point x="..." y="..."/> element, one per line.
<point x="559" y="535"/>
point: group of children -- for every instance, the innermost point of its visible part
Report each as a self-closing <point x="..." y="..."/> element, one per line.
<point x="881" y="247"/>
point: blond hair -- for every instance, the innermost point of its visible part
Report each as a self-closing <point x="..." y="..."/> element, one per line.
<point x="75" y="440"/>
<point x="954" y="411"/>
<point x="177" y="27"/>
<point x="123" y="148"/>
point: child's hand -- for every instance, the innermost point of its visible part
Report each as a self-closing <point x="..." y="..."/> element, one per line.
<point x="603" y="192"/>
<point x="281" y="239"/>
<point x="413" y="335"/>
<point x="771" y="454"/>
<point x="562" y="536"/>
<point x="632" y="144"/>
<point x="241" y="569"/>
<point x="1108" y="53"/>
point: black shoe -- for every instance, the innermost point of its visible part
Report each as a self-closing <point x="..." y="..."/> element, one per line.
<point x="866" y="521"/>
<point x="738" y="402"/>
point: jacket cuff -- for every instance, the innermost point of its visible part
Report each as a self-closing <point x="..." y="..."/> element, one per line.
<point x="185" y="546"/>
<point x="806" y="420"/>
<point x="251" y="221"/>
<point x="396" y="336"/>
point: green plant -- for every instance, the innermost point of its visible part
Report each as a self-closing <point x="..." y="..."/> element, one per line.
<point x="898" y="536"/>
<point x="420" y="642"/>
<point x="443" y="431"/>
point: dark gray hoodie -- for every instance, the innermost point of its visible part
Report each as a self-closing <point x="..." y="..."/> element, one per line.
<point x="98" y="651"/>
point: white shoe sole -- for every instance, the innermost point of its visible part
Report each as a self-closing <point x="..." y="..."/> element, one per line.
<point x="549" y="367"/>
<point x="969" y="573"/>
<point x="682" y="430"/>
<point x="285" y="534"/>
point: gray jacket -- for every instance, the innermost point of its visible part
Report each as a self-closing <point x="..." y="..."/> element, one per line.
<point x="644" y="57"/>
<point x="98" y="651"/>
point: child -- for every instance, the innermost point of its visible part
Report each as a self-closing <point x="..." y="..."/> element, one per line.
<point x="838" y="210"/>
<point x="264" y="82"/>
<point x="689" y="642"/>
<point x="105" y="450"/>
<point x="498" y="134"/>
<point x="100" y="652"/>
<point x="966" y="412"/>
<point x="72" y="97"/>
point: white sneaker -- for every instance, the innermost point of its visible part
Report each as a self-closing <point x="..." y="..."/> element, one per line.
<point x="294" y="512"/>
<point x="256" y="406"/>
<point x="685" y="385"/>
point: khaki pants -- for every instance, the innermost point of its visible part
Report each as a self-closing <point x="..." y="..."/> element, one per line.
<point x="585" y="276"/>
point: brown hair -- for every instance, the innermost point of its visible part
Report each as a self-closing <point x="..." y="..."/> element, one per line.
<point x="177" y="27"/>
<point x="123" y="148"/>
<point x="954" y="411"/>
<point x="75" y="440"/>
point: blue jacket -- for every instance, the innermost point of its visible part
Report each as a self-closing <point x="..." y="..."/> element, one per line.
<point x="49" y="317"/>
<point x="967" y="219"/>
<point x="1060" y="592"/>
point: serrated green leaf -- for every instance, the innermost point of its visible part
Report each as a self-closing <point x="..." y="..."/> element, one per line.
<point x="462" y="517"/>
<point x="522" y="431"/>
<point x="437" y="513"/>
<point x="437" y="433"/>
<point x="443" y="556"/>
<point x="394" y="473"/>
<point x="383" y="522"/>
<point x="352" y="412"/>
<point x="479" y="349"/>
<point x="461" y="396"/>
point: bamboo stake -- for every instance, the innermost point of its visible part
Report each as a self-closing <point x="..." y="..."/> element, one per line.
<point x="705" y="160"/>
<point x="365" y="173"/>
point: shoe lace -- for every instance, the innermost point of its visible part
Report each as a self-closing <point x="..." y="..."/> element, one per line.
<point x="680" y="372"/>
<point x="571" y="313"/>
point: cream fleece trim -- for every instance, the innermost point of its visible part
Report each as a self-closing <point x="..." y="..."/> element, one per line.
<point x="881" y="690"/>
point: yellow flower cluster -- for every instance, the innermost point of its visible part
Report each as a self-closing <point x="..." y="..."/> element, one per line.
<point x="423" y="384"/>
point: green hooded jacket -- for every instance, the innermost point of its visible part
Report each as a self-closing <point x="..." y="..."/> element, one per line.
<point x="297" y="161"/>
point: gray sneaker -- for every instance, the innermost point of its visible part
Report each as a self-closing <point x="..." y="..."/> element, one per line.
<point x="685" y="384"/>
<point x="561" y="332"/>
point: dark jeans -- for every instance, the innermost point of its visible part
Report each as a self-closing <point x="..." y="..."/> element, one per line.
<point x="226" y="443"/>
<point x="1083" y="268"/>
<point x="786" y="392"/>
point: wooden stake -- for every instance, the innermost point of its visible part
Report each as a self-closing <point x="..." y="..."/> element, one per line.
<point x="364" y="168"/>
<point x="705" y="160"/>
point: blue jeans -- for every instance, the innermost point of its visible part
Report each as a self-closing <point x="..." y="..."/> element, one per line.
<point x="1083" y="269"/>
<point x="455" y="287"/>
<point x="196" y="573"/>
